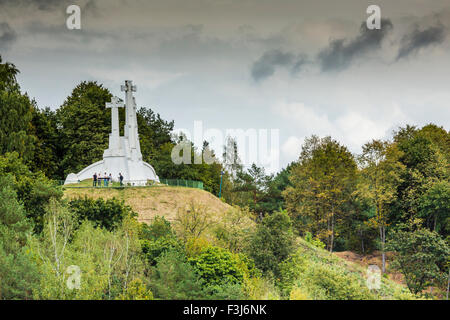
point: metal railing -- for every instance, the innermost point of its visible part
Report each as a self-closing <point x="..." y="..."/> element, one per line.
<point x="183" y="183"/>
<point x="138" y="183"/>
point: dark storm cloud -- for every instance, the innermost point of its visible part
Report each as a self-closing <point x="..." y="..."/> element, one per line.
<point x="7" y="35"/>
<point x="40" y="4"/>
<point x="342" y="52"/>
<point x="48" y="5"/>
<point x="265" y="66"/>
<point x="417" y="39"/>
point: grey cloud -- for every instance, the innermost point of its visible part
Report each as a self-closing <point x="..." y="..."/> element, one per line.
<point x="265" y="66"/>
<point x="342" y="52"/>
<point x="48" y="5"/>
<point x="40" y="4"/>
<point x="7" y="35"/>
<point x="418" y="39"/>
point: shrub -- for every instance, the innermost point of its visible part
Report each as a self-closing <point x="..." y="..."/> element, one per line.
<point x="106" y="214"/>
<point x="259" y="288"/>
<point x="33" y="189"/>
<point x="217" y="266"/>
<point x="194" y="246"/>
<point x="159" y="227"/>
<point x="234" y="228"/>
<point x="327" y="282"/>
<point x="314" y="241"/>
<point x="18" y="273"/>
<point x="154" y="249"/>
<point x="421" y="257"/>
<point x="226" y="291"/>
<point x="192" y="222"/>
<point x="298" y="294"/>
<point x="136" y="290"/>
<point x="272" y="242"/>
<point x="173" y="278"/>
<point x="290" y="271"/>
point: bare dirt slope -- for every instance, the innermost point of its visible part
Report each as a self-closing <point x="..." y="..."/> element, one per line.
<point x="159" y="200"/>
<point x="371" y="259"/>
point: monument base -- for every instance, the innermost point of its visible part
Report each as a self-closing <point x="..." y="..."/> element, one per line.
<point x="137" y="173"/>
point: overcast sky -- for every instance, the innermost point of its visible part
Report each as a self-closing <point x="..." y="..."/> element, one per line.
<point x="303" y="67"/>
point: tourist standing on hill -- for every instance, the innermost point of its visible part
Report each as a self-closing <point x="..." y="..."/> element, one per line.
<point x="105" y="183"/>
<point x="110" y="178"/>
<point x="121" y="179"/>
<point x="95" y="179"/>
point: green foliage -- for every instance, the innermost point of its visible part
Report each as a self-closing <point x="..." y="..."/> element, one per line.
<point x="173" y="278"/>
<point x="159" y="227"/>
<point x="322" y="186"/>
<point x="259" y="288"/>
<point x="192" y="222"/>
<point x="233" y="230"/>
<point x="254" y="189"/>
<point x="84" y="125"/>
<point x="379" y="179"/>
<point x="272" y="242"/>
<point x="136" y="290"/>
<point x="291" y="270"/>
<point x="52" y="251"/>
<point x="47" y="147"/>
<point x="209" y="174"/>
<point x="18" y="273"/>
<point x="16" y="112"/>
<point x="422" y="257"/>
<point x="154" y="132"/>
<point x="425" y="156"/>
<point x="322" y="282"/>
<point x="8" y="73"/>
<point x="154" y="249"/>
<point x="314" y="241"/>
<point x="157" y="238"/>
<point x="313" y="273"/>
<point x="217" y="266"/>
<point x="226" y="291"/>
<point x="107" y="214"/>
<point x="435" y="207"/>
<point x="33" y="189"/>
<point x="108" y="260"/>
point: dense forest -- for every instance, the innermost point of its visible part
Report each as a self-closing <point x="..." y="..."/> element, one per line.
<point x="276" y="243"/>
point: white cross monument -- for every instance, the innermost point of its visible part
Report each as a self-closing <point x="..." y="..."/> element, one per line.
<point x="124" y="153"/>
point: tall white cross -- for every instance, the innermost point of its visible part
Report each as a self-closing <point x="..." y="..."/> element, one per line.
<point x="114" y="105"/>
<point x="130" y="123"/>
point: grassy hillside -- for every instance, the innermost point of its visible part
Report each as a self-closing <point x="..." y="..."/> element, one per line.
<point x="318" y="275"/>
<point x="158" y="200"/>
<point x="311" y="273"/>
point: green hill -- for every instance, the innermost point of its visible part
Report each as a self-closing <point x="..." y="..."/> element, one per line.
<point x="316" y="274"/>
<point x="149" y="202"/>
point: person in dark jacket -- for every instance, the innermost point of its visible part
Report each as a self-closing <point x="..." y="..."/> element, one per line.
<point x="121" y="179"/>
<point x="95" y="179"/>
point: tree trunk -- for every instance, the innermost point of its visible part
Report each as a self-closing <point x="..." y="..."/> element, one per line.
<point x="332" y="232"/>
<point x="448" y="283"/>
<point x="362" y="245"/>
<point x="383" y="254"/>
